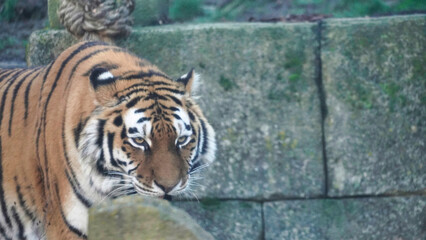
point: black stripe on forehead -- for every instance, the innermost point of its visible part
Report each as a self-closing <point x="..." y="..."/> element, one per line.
<point x="140" y="75"/>
<point x="141" y="110"/>
<point x="174" y="99"/>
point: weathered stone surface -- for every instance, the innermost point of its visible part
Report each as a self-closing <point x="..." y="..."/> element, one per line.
<point x="45" y="45"/>
<point x="258" y="91"/>
<point x="227" y="219"/>
<point x="368" y="218"/>
<point x="135" y="218"/>
<point x="52" y="12"/>
<point x="374" y="76"/>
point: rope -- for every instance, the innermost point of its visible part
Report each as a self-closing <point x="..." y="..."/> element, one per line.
<point x="97" y="19"/>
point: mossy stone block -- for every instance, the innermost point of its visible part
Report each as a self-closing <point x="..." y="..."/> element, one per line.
<point x="231" y="220"/>
<point x="134" y="218"/>
<point x="374" y="76"/>
<point x="362" y="218"/>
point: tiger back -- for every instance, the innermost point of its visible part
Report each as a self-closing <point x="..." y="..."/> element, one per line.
<point x="96" y="123"/>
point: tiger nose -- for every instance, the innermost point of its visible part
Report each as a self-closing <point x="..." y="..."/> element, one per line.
<point x="166" y="187"/>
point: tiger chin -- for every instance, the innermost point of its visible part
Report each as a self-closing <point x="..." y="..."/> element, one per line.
<point x="96" y="123"/>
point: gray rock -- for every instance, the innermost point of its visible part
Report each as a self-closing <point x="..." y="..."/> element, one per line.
<point x="134" y="218"/>
<point x="229" y="220"/>
<point x="374" y="76"/>
<point x="258" y="91"/>
<point x="367" y="218"/>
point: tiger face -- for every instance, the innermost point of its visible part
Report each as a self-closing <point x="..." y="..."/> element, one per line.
<point x="149" y="139"/>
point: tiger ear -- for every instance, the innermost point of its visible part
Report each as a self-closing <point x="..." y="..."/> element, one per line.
<point x="101" y="76"/>
<point x="190" y="81"/>
<point x="103" y="82"/>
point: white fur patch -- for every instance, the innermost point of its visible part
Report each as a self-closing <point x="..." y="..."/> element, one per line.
<point x="105" y="76"/>
<point x="76" y="213"/>
<point x="131" y="120"/>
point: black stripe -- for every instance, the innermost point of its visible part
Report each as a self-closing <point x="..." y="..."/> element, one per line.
<point x="144" y="84"/>
<point x="121" y="162"/>
<point x="4" y="71"/>
<point x="177" y="101"/>
<point x="15" y="93"/>
<point x="19" y="223"/>
<point x="133" y="130"/>
<point x="141" y="110"/>
<point x="5" y="91"/>
<point x="128" y="94"/>
<point x="133" y="169"/>
<point x="22" y="202"/>
<point x="143" y="119"/>
<point x="100" y="139"/>
<point x="6" y="75"/>
<point x="111" y="148"/>
<point x="123" y="132"/>
<point x="3" y="233"/>
<point x="154" y="96"/>
<point x="86" y="202"/>
<point x="170" y="90"/>
<point x="2" y="200"/>
<point x="191" y="115"/>
<point x="141" y="75"/>
<point x="75" y="184"/>
<point x="133" y="102"/>
<point x="44" y="80"/>
<point x="176" y="116"/>
<point x="100" y="164"/>
<point x="78" y="129"/>
<point x="27" y="93"/>
<point x="70" y="227"/>
<point x="205" y="143"/>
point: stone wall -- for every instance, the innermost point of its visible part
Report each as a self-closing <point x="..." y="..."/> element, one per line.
<point x="320" y="125"/>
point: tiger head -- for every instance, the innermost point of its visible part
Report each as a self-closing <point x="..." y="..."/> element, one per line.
<point x="146" y="134"/>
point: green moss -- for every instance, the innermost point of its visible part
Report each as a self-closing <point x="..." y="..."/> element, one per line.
<point x="226" y="83"/>
<point x="293" y="78"/>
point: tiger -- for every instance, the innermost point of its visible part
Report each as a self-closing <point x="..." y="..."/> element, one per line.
<point x="96" y="123"/>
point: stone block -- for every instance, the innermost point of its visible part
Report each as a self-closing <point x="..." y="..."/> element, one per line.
<point x="229" y="220"/>
<point x="134" y="218"/>
<point x="258" y="91"/>
<point x="360" y="218"/>
<point x="374" y="77"/>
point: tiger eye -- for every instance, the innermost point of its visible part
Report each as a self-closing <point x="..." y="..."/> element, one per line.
<point x="182" y="140"/>
<point x="139" y="140"/>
